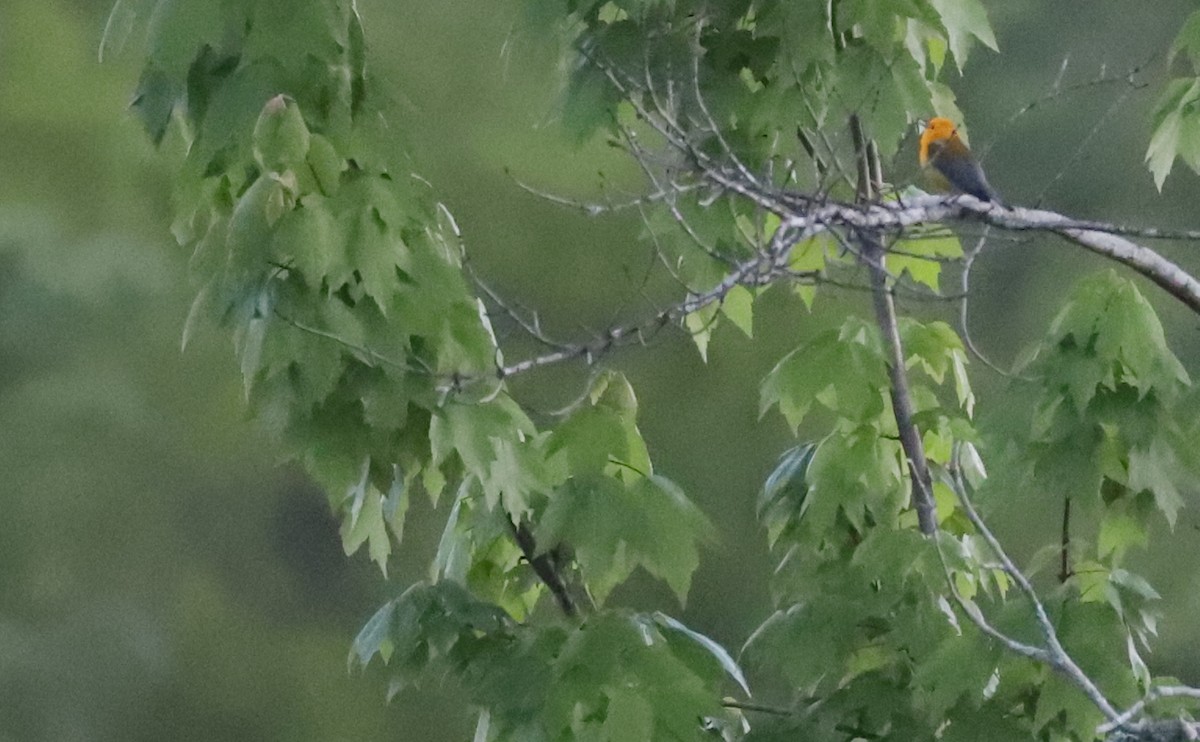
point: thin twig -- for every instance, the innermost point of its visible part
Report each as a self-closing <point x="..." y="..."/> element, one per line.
<point x="1155" y="693"/>
<point x="760" y="708"/>
<point x="1064" y="569"/>
<point x="964" y="307"/>
<point x="1055" y="656"/>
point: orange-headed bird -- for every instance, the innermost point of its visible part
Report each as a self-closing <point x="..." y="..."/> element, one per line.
<point x="942" y="148"/>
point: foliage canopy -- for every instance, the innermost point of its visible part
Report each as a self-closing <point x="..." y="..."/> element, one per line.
<point x="365" y="343"/>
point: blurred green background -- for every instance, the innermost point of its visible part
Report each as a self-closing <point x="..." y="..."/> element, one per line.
<point x="164" y="575"/>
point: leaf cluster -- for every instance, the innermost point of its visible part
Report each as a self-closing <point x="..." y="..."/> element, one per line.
<point x="362" y="344"/>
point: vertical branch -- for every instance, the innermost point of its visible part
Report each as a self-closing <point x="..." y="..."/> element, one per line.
<point x="810" y="148"/>
<point x="868" y="168"/>
<point x="875" y="166"/>
<point x="1064" y="571"/>
<point x="865" y="191"/>
<point x="545" y="566"/>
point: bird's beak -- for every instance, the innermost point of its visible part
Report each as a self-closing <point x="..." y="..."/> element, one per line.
<point x="921" y="124"/>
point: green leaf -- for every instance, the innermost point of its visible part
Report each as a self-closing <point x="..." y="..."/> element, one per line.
<point x="933" y="345"/>
<point x="925" y="248"/>
<point x="738" y="306"/>
<point x="783" y="497"/>
<point x="590" y="438"/>
<point x="804" y="642"/>
<point x="395" y="505"/>
<point x="179" y="29"/>
<point x="1134" y="583"/>
<point x="926" y="44"/>
<point x="309" y="240"/>
<point x="964" y="20"/>
<point x="1060" y="699"/>
<point x="518" y="471"/>
<point x="200" y="306"/>
<point x="154" y="100"/>
<point x="854" y="474"/>
<point x="1118" y="532"/>
<point x="468" y="429"/>
<point x="613" y="528"/>
<point x="958" y="666"/>
<point x="719" y="653"/>
<point x="1176" y="129"/>
<point x="497" y="444"/>
<point x="1188" y="40"/>
<point x="121" y="21"/>
<point x="589" y="103"/>
<point x="374" y="637"/>
<point x="452" y="559"/>
<point x="666" y="538"/>
<point x="281" y="138"/>
<point x="842" y="370"/>
<point x="1091" y="579"/>
<point x="962" y="382"/>
<point x="432" y="626"/>
<point x="327" y="165"/>
<point x="249" y="342"/>
<point x="250" y="224"/>
<point x="630" y="716"/>
<point x="1106" y="336"/>
<point x="368" y="526"/>
<point x="809" y="256"/>
<point x="700" y="324"/>
<point x="376" y="251"/>
<point x="1155" y="469"/>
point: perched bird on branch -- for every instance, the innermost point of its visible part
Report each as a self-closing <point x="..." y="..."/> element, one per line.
<point x="954" y="168"/>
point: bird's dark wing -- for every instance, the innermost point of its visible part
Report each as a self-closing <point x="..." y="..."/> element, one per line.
<point x="963" y="172"/>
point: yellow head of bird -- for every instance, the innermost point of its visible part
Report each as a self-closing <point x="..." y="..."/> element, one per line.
<point x="935" y="133"/>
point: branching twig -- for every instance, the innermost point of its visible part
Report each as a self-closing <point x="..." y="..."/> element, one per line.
<point x="1053" y="655"/>
<point x="1162" y="691"/>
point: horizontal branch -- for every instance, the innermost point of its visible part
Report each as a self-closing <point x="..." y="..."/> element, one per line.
<point x="805" y="219"/>
<point x="1107" y="240"/>
<point x="760" y="270"/>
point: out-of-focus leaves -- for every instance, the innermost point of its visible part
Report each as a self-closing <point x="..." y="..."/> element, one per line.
<point x="964" y="20"/>
<point x="1176" y="129"/>
<point x="120" y="24"/>
<point x="614" y="527"/>
<point x="281" y="138"/>
<point x="782" y="499"/>
<point x="840" y="370"/>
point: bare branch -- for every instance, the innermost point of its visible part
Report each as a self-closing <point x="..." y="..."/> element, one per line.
<point x="885" y="317"/>
<point x="1055" y="656"/>
<point x="1104" y="239"/>
<point x="964" y="307"/>
<point x="1124" y="719"/>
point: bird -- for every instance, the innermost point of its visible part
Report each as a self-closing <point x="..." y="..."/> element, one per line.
<point x="955" y="168"/>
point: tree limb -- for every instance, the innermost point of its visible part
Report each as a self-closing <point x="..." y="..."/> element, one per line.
<point x="885" y="317"/>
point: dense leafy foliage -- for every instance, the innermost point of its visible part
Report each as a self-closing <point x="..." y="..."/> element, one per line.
<point x="363" y="345"/>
